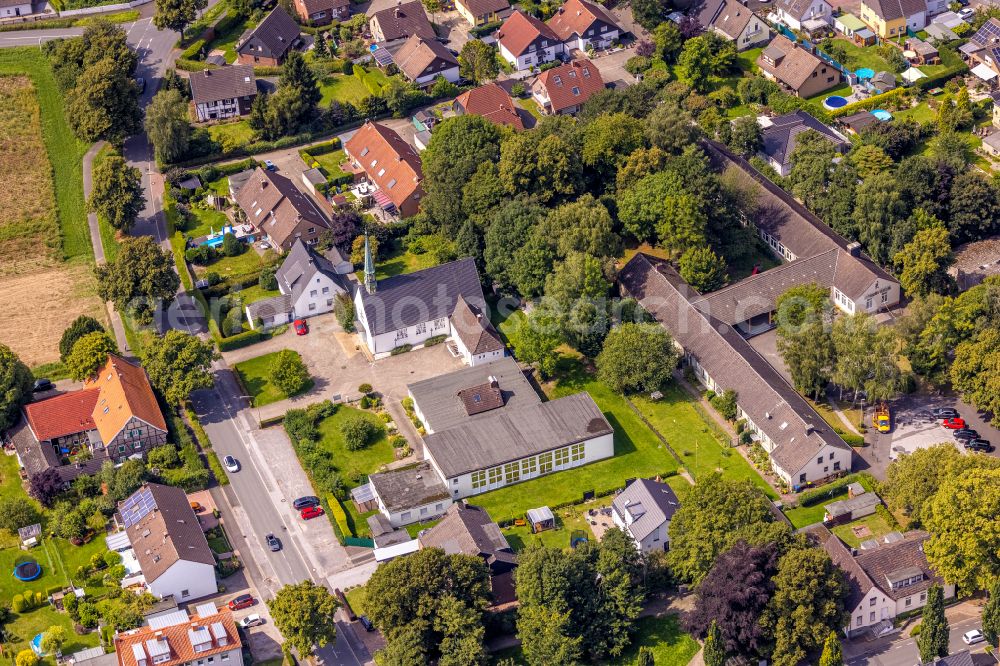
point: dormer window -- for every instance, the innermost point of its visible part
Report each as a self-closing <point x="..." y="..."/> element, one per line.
<point x="364" y="152"/>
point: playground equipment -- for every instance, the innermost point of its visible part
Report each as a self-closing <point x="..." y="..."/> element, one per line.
<point x="27" y="569"/>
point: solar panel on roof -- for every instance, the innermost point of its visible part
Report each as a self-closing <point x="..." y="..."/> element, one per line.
<point x="136" y="507"/>
<point x="382" y="57"/>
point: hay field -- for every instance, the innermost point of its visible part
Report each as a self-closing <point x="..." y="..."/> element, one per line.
<point x="40" y="292"/>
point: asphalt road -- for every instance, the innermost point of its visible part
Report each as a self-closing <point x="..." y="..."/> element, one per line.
<point x="903" y="652"/>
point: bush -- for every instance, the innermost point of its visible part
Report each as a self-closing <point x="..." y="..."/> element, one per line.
<point x="232" y="246"/>
<point x="365" y="402"/>
<point x="339" y="517"/>
<point x="201" y="255"/>
<point x="435" y="340"/>
<point x="300" y="426"/>
<point x="637" y="65"/>
<point x="345" y="312"/>
<point x="401" y="349"/>
<point x="289" y="373"/>
<point x="359" y="432"/>
<point x="397" y="441"/>
<point x="26" y="658"/>
<point x="18" y="604"/>
<point x="267" y="279"/>
<point x="365" y="388"/>
<point x="240" y="341"/>
<point x="517" y="90"/>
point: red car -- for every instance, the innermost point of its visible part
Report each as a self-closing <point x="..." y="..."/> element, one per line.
<point x="953" y="424"/>
<point x="242" y="601"/>
<point x="301" y="327"/>
<point x="311" y="512"/>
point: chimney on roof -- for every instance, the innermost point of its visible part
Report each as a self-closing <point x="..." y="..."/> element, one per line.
<point x="263" y="184"/>
<point x="493" y="382"/>
<point x="854" y="249"/>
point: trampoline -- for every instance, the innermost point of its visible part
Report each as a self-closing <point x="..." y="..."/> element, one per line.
<point x="882" y="114"/>
<point x="865" y="73"/>
<point x="834" y="102"/>
<point x="27" y="569"/>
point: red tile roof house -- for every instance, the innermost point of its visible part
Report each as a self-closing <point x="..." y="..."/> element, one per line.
<point x="581" y="24"/>
<point x="278" y="209"/>
<point x="391" y="163"/>
<point x="564" y="89"/>
<point x="208" y="635"/>
<point x="424" y="60"/>
<point x="321" y="12"/>
<point x="114" y="417"/>
<point x="491" y="102"/>
<point x="526" y="42"/>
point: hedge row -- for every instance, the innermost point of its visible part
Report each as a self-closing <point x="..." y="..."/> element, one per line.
<point x="330" y="146"/>
<point x="830" y="490"/>
<point x="485" y="29"/>
<point x="255" y="147"/>
<point x="340" y="523"/>
<point x="873" y="102"/>
<point x="239" y="340"/>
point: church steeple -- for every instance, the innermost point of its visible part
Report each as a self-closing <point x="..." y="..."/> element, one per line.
<point x="369" y="268"/>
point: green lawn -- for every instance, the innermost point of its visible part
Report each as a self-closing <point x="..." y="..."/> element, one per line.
<point x="675" y="418"/>
<point x="27" y="625"/>
<point x="330" y="163"/>
<point x="747" y="60"/>
<point x="637" y="453"/>
<point x="567" y="520"/>
<point x="343" y="88"/>
<point x="803" y="516"/>
<point x="206" y="221"/>
<point x="844" y="89"/>
<point x="65" y="151"/>
<point x="506" y="322"/>
<point x="662" y="635"/>
<point x="236" y="133"/>
<point x="219" y="186"/>
<point x="356" y="598"/>
<point x="226" y="41"/>
<point x="255" y="373"/>
<point x="530" y="106"/>
<point x="255" y="293"/>
<point x="399" y="261"/>
<point x="863" y="56"/>
<point x="922" y="113"/>
<point x="243" y="264"/>
<point x="875" y="523"/>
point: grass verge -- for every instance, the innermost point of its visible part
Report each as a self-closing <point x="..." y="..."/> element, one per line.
<point x="255" y="374"/>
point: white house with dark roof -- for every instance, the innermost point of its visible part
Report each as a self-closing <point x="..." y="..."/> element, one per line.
<point x="887" y="577"/>
<point x="309" y="283"/>
<point x="644" y="511"/>
<point x="225" y="92"/>
<point x="737" y="23"/>
<point x="13" y="8"/>
<point x="779" y="138"/>
<point x="269" y="42"/>
<point x="409" y="309"/>
<point x="796" y="13"/>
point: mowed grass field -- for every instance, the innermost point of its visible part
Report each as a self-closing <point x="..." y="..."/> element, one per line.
<point x="44" y="241"/>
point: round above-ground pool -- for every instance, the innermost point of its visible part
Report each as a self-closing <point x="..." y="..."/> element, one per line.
<point x="834" y="102"/>
<point x="882" y="114"/>
<point x="27" y="570"/>
<point x="865" y="73"/>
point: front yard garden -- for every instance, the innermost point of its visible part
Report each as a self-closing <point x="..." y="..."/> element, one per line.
<point x="343" y="88"/>
<point x="263" y="381"/>
<point x="869" y="527"/>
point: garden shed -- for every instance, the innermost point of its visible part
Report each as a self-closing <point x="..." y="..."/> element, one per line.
<point x="541" y="519"/>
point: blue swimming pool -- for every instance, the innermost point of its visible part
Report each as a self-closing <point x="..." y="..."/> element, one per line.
<point x="882" y="114"/>
<point x="865" y="73"/>
<point x="834" y="102"/>
<point x="213" y="242"/>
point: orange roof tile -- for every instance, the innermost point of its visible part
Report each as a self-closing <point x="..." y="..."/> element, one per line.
<point x="388" y="160"/>
<point x="124" y="392"/>
<point x="577" y="16"/>
<point x="493" y="103"/>
<point x="571" y="84"/>
<point x="62" y="415"/>
<point x="130" y="644"/>
<point x="520" y="30"/>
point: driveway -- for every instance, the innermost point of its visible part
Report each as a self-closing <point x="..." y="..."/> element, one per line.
<point x="612" y="68"/>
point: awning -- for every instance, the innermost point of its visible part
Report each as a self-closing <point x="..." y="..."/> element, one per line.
<point x="389" y="552"/>
<point x="383" y="200"/>
<point x="117" y="541"/>
<point x="913" y="74"/>
<point x="969" y="48"/>
<point x="984" y="72"/>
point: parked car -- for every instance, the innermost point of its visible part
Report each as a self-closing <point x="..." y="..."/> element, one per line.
<point x="231" y="464"/>
<point x="301" y="327"/>
<point x="973" y="636"/>
<point x="242" y="601"/>
<point x="251" y="621"/>
<point x="196" y="507"/>
<point x="966" y="13"/>
<point x="269" y="165"/>
<point x="303" y="502"/>
<point x="954" y="423"/>
<point x="311" y="512"/>
<point x="945" y="413"/>
<point x="366" y="623"/>
<point x="979" y="444"/>
<point x="965" y="434"/>
<point x="272" y="542"/>
<point x="42" y="385"/>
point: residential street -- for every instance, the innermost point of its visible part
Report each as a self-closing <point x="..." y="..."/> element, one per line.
<point x="897" y="651"/>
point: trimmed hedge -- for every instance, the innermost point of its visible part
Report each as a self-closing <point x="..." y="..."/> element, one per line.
<point x="485" y="29"/>
<point x="873" y="102"/>
<point x="401" y="349"/>
<point x="339" y="517"/>
<point x="266" y="71"/>
<point x="830" y="490"/>
<point x="330" y="146"/>
<point x="239" y="340"/>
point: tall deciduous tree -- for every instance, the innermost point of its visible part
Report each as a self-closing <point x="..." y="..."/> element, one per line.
<point x="879" y="208"/>
<point x="695" y="64"/>
<point x="104" y="104"/>
<point x="288" y="372"/>
<point x="913" y="479"/>
<point x="832" y="654"/>
<point x="510" y="227"/>
<point x="659" y="207"/>
<point x="733" y="597"/>
<point x="991" y="615"/>
<point x="551" y="639"/>
<point x="536" y="338"/>
<point x="89" y="355"/>
<point x="117" y="195"/>
<point x="140" y="279"/>
<point x="637" y="357"/>
<point x="963" y="556"/>
<point x="703" y="269"/>
<point x="478" y="61"/>
<point x="973" y="371"/>
<point x="714" y="652"/>
<point x="804" y="340"/>
<point x="304" y="613"/>
<point x="669" y="128"/>
<point x="933" y="639"/>
<point x="808" y="603"/>
<point x="584" y="225"/>
<point x="715" y="515"/>
<point x="177" y="14"/>
<point x="745" y="138"/>
<point x="80" y="327"/>
<point x="15" y="386"/>
<point x="178" y="364"/>
<point x="607" y="141"/>
<point x="538" y="164"/>
<point x="924" y="261"/>
<point x="167" y="125"/>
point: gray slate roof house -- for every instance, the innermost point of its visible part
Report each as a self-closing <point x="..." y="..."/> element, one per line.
<point x="474" y="327"/>
<point x="297" y="273"/>
<point x="896" y="9"/>
<point x="401" y="21"/>
<point x="780" y="138"/>
<point x="469" y="530"/>
<point x="404" y="488"/>
<point x="963" y="658"/>
<point x="648" y="504"/>
<point x="212" y="85"/>
<point x="437" y="289"/>
<point x="270" y="40"/>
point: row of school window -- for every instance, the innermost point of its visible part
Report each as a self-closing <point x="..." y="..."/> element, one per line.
<point x="543" y="463"/>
